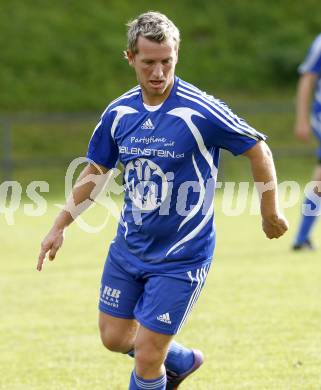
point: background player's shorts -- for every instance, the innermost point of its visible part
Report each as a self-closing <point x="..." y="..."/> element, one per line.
<point x="159" y="301"/>
<point x="316" y="127"/>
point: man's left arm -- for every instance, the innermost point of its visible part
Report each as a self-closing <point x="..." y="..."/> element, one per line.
<point x="274" y="224"/>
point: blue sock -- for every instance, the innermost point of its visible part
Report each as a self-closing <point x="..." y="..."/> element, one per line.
<point x="179" y="358"/>
<point x="307" y="221"/>
<point x="137" y="383"/>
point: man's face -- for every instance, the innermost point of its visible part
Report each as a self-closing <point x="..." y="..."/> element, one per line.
<point x="154" y="64"/>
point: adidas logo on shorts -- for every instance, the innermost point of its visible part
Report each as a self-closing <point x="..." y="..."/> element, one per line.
<point x="164" y="318"/>
<point x="148" y="125"/>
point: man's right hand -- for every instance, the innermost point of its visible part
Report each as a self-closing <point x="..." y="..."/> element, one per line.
<point x="91" y="179"/>
<point x="51" y="243"/>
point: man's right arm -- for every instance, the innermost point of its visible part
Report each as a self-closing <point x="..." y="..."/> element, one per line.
<point x="87" y="187"/>
<point x="305" y="89"/>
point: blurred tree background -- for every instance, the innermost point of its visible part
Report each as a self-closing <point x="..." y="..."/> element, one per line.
<point x="66" y="57"/>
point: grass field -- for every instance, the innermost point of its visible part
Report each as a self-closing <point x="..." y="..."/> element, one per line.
<point x="258" y="320"/>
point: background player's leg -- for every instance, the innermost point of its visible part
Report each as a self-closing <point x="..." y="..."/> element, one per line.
<point x="117" y="334"/>
<point x="307" y="222"/>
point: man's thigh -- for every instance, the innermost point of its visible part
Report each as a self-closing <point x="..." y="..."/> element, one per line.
<point x="120" y="289"/>
<point x="169" y="298"/>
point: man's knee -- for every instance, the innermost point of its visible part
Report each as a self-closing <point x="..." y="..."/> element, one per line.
<point x="112" y="341"/>
<point x="117" y="334"/>
<point x="150" y="352"/>
<point x="149" y="357"/>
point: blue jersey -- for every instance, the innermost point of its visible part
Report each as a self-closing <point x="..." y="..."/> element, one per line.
<point x="312" y="64"/>
<point x="170" y="158"/>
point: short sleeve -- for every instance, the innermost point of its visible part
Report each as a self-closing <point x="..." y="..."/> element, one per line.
<point x="102" y="148"/>
<point x="312" y="61"/>
<point x="228" y="131"/>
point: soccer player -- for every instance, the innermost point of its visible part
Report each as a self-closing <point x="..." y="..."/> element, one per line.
<point x="167" y="134"/>
<point x="308" y="116"/>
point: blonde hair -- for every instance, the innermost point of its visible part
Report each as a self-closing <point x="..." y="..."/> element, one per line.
<point x="151" y="25"/>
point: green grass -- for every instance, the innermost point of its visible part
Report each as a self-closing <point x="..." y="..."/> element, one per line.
<point x="257" y="321"/>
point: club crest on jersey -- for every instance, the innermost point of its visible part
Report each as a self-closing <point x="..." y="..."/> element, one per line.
<point x="146" y="183"/>
<point x="148" y="125"/>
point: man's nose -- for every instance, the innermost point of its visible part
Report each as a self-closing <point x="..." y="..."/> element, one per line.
<point x="158" y="71"/>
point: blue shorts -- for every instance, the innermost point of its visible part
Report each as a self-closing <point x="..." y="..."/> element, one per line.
<point x="159" y="301"/>
<point x="316" y="127"/>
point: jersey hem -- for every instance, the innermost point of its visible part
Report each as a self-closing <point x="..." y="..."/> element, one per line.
<point x="173" y="266"/>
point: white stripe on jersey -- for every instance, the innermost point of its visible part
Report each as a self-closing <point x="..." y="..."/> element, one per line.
<point x="121" y="98"/>
<point x="312" y="57"/>
<point x="122" y="220"/>
<point x="135" y="89"/>
<point x="222" y="109"/>
<point x="200" y="201"/>
<point x="95" y="129"/>
<point x="186" y="114"/>
<point x="194" y="232"/>
<point x="132" y="92"/>
<point x="238" y="130"/>
<point x="218" y="105"/>
<point x="121" y="111"/>
<point x="316" y="122"/>
<point x="317" y="95"/>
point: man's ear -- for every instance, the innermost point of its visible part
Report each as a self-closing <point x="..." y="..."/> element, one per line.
<point x="131" y="57"/>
